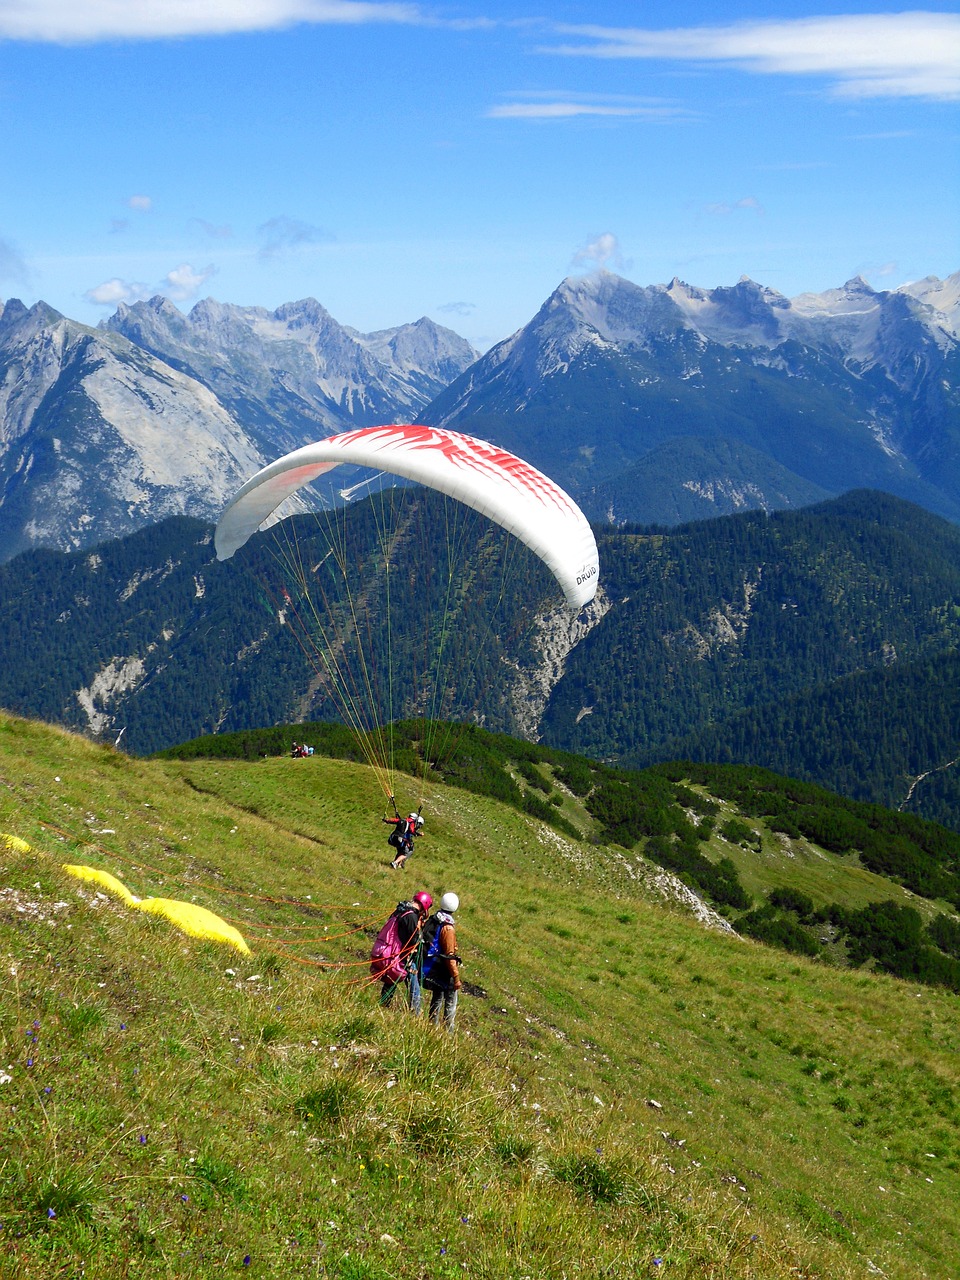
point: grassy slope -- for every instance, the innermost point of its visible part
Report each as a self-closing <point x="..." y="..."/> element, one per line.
<point x="808" y="1115"/>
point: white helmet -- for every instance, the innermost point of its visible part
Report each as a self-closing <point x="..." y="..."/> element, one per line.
<point x="449" y="902"/>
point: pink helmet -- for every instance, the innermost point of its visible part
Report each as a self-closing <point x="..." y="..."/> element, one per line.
<point x="423" y="901"/>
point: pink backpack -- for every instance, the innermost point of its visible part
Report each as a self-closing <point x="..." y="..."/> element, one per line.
<point x="386" y="958"/>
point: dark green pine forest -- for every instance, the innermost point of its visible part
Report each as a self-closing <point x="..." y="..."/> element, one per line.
<point x="821" y="642"/>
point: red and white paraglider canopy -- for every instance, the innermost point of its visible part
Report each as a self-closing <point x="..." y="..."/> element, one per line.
<point x="489" y="479"/>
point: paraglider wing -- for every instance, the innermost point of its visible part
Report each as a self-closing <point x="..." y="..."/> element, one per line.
<point x="490" y="480"/>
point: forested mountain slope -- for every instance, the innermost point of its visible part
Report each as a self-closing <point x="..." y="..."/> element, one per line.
<point x="693" y="626"/>
<point x="890" y="735"/>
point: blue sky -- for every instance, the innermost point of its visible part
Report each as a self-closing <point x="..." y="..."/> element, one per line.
<point x="459" y="160"/>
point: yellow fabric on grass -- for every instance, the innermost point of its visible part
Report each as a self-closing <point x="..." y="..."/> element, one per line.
<point x="198" y="922"/>
<point x="105" y="880"/>
<point x="14" y="844"/>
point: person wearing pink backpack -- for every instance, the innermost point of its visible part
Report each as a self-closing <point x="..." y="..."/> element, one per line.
<point x="395" y="957"/>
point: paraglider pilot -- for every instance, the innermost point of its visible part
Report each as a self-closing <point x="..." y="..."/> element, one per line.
<point x="405" y="830"/>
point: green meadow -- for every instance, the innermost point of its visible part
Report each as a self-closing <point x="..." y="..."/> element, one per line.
<point x="628" y="1093"/>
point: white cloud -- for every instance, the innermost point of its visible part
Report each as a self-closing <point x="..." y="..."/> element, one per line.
<point x="180" y="284"/>
<point x="865" y="55"/>
<point x="458" y="308"/>
<point x="559" y="105"/>
<point x="78" y="21"/>
<point x="141" y="203"/>
<point x="183" y="282"/>
<point x="601" y="252"/>
<point x="112" y="292"/>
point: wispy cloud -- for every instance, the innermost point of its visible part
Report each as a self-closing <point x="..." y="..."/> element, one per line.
<point x="561" y="105"/>
<point x="12" y="265"/>
<point x="458" y="308"/>
<point x="895" y="55"/>
<point x="179" y="285"/>
<point x="722" y="208"/>
<point x="142" y="204"/>
<point x="79" y="21"/>
<point x="215" y="231"/>
<point x="283" y="233"/>
<point x="890" y="135"/>
<point x="602" y="252"/>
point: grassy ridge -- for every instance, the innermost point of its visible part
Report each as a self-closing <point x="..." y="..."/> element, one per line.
<point x="196" y="1117"/>
<point x="889" y="886"/>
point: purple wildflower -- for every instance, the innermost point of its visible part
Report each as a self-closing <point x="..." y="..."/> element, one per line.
<point x="142" y="1139"/>
<point x="123" y="1026"/>
<point x="185" y="1199"/>
<point x="246" y="1260"/>
<point x="51" y="1213"/>
<point x="658" y="1262"/>
<point x="47" y="1088"/>
<point x="29" y="1062"/>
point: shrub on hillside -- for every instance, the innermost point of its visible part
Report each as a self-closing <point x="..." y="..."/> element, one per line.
<point x="766" y="925"/>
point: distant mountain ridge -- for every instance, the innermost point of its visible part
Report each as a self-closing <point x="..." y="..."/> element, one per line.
<point x="650" y="404"/>
<point x="296" y="368"/>
<point x="844" y="389"/>
<point x="156" y="413"/>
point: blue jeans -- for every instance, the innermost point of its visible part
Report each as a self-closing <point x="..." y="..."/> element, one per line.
<point x="447" y="1001"/>
<point x="416" y="993"/>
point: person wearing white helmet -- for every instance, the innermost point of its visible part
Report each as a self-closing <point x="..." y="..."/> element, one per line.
<point x="441" y="964"/>
<point x="401" y="838"/>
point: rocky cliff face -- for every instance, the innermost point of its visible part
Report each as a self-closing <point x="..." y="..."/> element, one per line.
<point x="98" y="437"/>
<point x="156" y="413"/>
<point x="725" y="394"/>
<point x="295" y="374"/>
